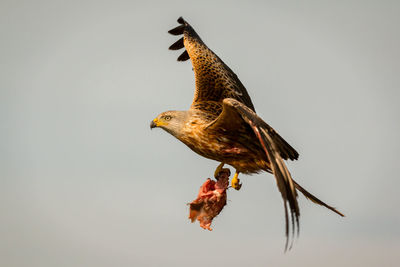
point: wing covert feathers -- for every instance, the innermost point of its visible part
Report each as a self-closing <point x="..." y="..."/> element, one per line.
<point x="215" y="81"/>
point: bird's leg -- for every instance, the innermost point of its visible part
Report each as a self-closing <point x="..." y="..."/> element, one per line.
<point x="235" y="183"/>
<point x="218" y="170"/>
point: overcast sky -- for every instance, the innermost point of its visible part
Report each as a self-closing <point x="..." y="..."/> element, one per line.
<point x="84" y="182"/>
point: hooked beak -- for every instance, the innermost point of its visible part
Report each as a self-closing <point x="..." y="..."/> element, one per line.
<point x="153" y="124"/>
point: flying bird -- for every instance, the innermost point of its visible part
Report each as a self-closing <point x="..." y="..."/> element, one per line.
<point x="222" y="125"/>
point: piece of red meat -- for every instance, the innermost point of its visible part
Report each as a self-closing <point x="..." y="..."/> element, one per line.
<point x="211" y="200"/>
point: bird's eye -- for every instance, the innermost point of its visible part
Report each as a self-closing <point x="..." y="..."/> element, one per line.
<point x="167" y="118"/>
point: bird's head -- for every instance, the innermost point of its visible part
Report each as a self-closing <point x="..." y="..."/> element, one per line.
<point x="171" y="121"/>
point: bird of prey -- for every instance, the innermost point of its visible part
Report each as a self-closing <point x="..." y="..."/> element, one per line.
<point x="222" y="125"/>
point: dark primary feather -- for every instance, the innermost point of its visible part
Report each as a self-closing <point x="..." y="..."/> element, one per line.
<point x="184" y="56"/>
<point x="181" y="20"/>
<point x="177" y="45"/>
<point x="178" y="30"/>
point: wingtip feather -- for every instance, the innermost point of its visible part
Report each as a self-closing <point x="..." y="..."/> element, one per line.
<point x="181" y="20"/>
<point x="177" y="30"/>
<point x="177" y="45"/>
<point x="184" y="56"/>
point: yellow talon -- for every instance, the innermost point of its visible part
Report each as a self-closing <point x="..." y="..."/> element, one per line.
<point x="236" y="182"/>
<point x="218" y="170"/>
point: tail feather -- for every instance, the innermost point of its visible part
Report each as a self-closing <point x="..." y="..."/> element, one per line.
<point x="314" y="199"/>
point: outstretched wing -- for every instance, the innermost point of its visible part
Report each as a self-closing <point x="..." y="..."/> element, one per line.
<point x="236" y="115"/>
<point x="215" y="81"/>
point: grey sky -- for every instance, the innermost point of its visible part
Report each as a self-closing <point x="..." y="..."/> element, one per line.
<point x="84" y="182"/>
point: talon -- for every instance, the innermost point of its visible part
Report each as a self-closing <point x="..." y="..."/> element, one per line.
<point x="236" y="181"/>
<point x="218" y="170"/>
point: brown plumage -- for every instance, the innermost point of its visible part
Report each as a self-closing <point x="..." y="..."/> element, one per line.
<point x="222" y="124"/>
